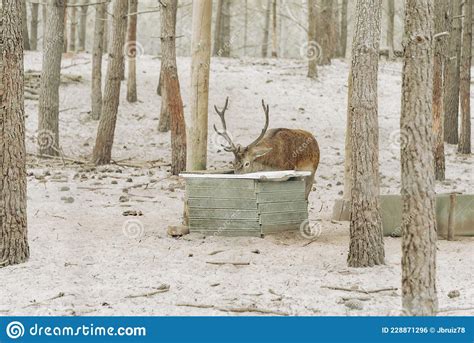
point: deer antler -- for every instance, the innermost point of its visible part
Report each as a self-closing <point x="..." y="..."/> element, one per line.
<point x="231" y="147"/>
<point x="266" y="109"/>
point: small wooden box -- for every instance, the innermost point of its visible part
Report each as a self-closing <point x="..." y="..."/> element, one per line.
<point x="247" y="204"/>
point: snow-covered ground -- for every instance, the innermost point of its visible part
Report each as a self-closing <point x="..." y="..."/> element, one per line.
<point x="87" y="258"/>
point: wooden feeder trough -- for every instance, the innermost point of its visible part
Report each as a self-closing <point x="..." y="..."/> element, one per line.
<point x="246" y="204"/>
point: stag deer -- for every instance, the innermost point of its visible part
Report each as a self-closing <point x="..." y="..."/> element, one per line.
<point x="275" y="149"/>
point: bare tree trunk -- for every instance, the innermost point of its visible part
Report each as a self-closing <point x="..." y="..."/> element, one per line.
<point x="106" y="29"/>
<point x="48" y="106"/>
<point x="72" y="26"/>
<point x="366" y="237"/>
<point x="65" y="41"/>
<point x="418" y="193"/>
<point x="83" y="25"/>
<point x="122" y="72"/>
<point x="164" y="123"/>
<point x="336" y="30"/>
<point x="132" y="52"/>
<point x="464" y="146"/>
<point x="441" y="8"/>
<point x="451" y="100"/>
<point x="34" y="25"/>
<point x="344" y="28"/>
<point x="96" y="88"/>
<point x="217" y="50"/>
<point x="44" y="13"/>
<point x="274" y="29"/>
<point x="200" y="65"/>
<point x="266" y="29"/>
<point x="312" y="50"/>
<point x="390" y="27"/>
<point x="13" y="219"/>
<point x="102" y="152"/>
<point x="172" y="94"/>
<point x="24" y="21"/>
<point x="222" y="29"/>
<point x="324" y="30"/>
<point x="348" y="184"/>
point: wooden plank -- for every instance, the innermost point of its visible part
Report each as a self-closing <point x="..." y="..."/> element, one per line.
<point x="228" y="214"/>
<point x="223" y="224"/>
<point x="280" y="197"/>
<point x="287" y="186"/>
<point x="279" y="175"/>
<point x="229" y="233"/>
<point x="222" y="193"/>
<point x="220" y="183"/>
<point x="266" y="229"/>
<point x="283" y="217"/>
<point x="243" y="204"/>
<point x="288" y="206"/>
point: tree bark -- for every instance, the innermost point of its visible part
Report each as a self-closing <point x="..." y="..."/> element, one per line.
<point x="418" y="181"/>
<point x="171" y="98"/>
<point x="390" y="27"/>
<point x="96" y="86"/>
<point x="102" y="152"/>
<point x="464" y="146"/>
<point x="347" y="193"/>
<point x="441" y="8"/>
<point x="451" y="100"/>
<point x="48" y="105"/>
<point x="200" y="65"/>
<point x="83" y="25"/>
<point x="34" y="25"/>
<point x="72" y="26"/>
<point x="312" y="51"/>
<point x="266" y="29"/>
<point x="132" y="52"/>
<point x="344" y="28"/>
<point x="325" y="31"/>
<point x="106" y="29"/>
<point x="122" y="72"/>
<point x="366" y="238"/>
<point x="65" y="41"/>
<point x="13" y="219"/>
<point x="222" y="42"/>
<point x="24" y="21"/>
<point x="274" y="29"/>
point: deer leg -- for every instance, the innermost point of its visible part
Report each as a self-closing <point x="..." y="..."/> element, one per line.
<point x="309" y="180"/>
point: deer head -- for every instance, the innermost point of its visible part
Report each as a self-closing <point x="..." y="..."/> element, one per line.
<point x="246" y="158"/>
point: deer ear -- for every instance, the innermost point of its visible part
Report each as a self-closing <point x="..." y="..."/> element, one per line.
<point x="261" y="151"/>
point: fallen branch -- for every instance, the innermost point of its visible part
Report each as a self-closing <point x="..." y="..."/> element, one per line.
<point x="360" y="290"/>
<point x="236" y="309"/>
<point x="161" y="289"/>
<point x="233" y="263"/>
<point x="216" y="252"/>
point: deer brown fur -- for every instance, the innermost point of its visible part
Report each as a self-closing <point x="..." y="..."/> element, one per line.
<point x="275" y="149"/>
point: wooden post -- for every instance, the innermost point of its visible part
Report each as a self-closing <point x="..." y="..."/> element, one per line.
<point x="452" y="215"/>
<point x="200" y="64"/>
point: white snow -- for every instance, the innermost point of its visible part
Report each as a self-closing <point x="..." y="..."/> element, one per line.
<point x="93" y="257"/>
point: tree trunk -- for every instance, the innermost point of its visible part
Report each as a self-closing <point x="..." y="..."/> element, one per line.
<point x="324" y="30"/>
<point x="48" y="105"/>
<point x="34" y="26"/>
<point x="132" y="52"/>
<point x="347" y="193"/>
<point x="266" y="30"/>
<point x="418" y="181"/>
<point x="222" y="29"/>
<point x="13" y="219"/>
<point x="106" y="29"/>
<point x="344" y="28"/>
<point x="217" y="50"/>
<point x="96" y="87"/>
<point x="102" y="152"/>
<point x="122" y="72"/>
<point x="464" y="146"/>
<point x="441" y="8"/>
<point x="312" y="50"/>
<point x="72" y="26"/>
<point x="200" y="65"/>
<point x="172" y="94"/>
<point x="83" y="25"/>
<point x="366" y="237"/>
<point x="160" y="82"/>
<point x="164" y="123"/>
<point x="24" y="21"/>
<point x="274" y="29"/>
<point x="65" y="41"/>
<point x="451" y="100"/>
<point x="44" y="13"/>
<point x="390" y="27"/>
